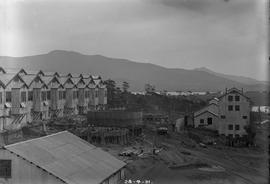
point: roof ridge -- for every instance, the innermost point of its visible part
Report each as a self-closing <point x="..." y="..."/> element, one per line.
<point x="29" y="140"/>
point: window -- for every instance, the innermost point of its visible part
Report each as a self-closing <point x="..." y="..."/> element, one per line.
<point x="43" y="96"/>
<point x="237" y="108"/>
<point x="59" y="95"/>
<point x="64" y="94"/>
<point x="74" y="95"/>
<point x="230" y="108"/>
<point x="1" y="100"/>
<point x="222" y="117"/>
<point x="5" y="168"/>
<point x="244" y="117"/>
<point x="201" y="121"/>
<point x="23" y="96"/>
<point x="48" y="95"/>
<point x="237" y="98"/>
<point x="209" y="121"/>
<point x="230" y="98"/>
<point x="30" y="95"/>
<point x="8" y="96"/>
<point x="237" y="127"/>
<point x="230" y="127"/>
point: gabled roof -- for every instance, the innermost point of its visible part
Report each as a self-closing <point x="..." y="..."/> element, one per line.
<point x="95" y="77"/>
<point x="29" y="79"/>
<point x="73" y="75"/>
<point x="91" y="84"/>
<point x="75" y="80"/>
<point x="48" y="79"/>
<point x="206" y="112"/>
<point x="234" y="90"/>
<point x="63" y="79"/>
<point x="6" y="78"/>
<point x="87" y="81"/>
<point x="45" y="73"/>
<point x="85" y="76"/>
<point x="68" y="157"/>
<point x="2" y="70"/>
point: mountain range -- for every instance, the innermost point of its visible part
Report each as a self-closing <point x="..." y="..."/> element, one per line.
<point x="135" y="73"/>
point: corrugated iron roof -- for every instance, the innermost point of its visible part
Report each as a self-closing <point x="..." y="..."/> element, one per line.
<point x="47" y="79"/>
<point x="62" y="79"/>
<point x="6" y="78"/>
<point x="75" y="80"/>
<point x="28" y="79"/>
<point x="68" y="157"/>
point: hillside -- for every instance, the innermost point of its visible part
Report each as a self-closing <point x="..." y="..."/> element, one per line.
<point x="137" y="74"/>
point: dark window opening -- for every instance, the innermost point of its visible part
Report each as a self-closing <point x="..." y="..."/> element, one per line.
<point x="1" y="100"/>
<point x="48" y="95"/>
<point x="8" y="96"/>
<point x="230" y="98"/>
<point x="230" y="108"/>
<point x="30" y="95"/>
<point x="209" y="121"/>
<point x="237" y="127"/>
<point x="237" y="108"/>
<point x="244" y="117"/>
<point x="43" y="96"/>
<point x="201" y="121"/>
<point x="237" y="98"/>
<point x="74" y="94"/>
<point x="5" y="168"/>
<point x="222" y="117"/>
<point x="23" y="96"/>
<point x="230" y="127"/>
<point x="64" y="94"/>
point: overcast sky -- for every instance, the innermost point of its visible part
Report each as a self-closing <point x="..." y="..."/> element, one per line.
<point x="226" y="36"/>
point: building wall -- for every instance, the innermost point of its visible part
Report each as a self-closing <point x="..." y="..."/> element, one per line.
<point x="22" y="172"/>
<point x="205" y="116"/>
<point x="234" y="117"/>
<point x="116" y="178"/>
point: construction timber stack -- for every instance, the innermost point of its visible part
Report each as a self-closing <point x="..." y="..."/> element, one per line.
<point x="27" y="96"/>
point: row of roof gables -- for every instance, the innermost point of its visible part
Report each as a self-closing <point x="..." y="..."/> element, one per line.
<point x="47" y="73"/>
<point x="8" y="75"/>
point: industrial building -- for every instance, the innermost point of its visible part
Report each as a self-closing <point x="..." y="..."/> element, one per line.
<point x="58" y="158"/>
<point x="27" y="96"/>
<point x="228" y="114"/>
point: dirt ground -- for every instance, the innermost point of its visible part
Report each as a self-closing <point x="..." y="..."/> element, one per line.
<point x="180" y="160"/>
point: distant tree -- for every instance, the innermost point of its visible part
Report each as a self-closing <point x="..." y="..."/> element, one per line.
<point x="111" y="89"/>
<point x="149" y="88"/>
<point x="125" y="86"/>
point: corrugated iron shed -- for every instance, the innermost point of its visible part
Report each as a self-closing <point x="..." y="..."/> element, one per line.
<point x="69" y="158"/>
